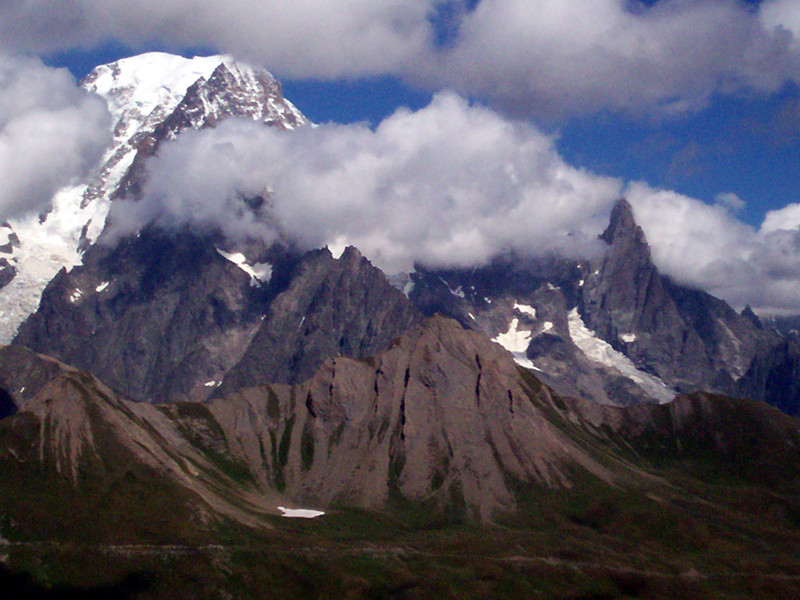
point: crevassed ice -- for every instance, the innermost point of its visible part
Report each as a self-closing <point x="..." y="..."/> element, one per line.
<point x="601" y="352"/>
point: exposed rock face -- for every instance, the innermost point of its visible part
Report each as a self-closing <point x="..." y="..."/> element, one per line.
<point x="165" y="316"/>
<point x="526" y="305"/>
<point x="632" y="325"/>
<point x="443" y="417"/>
<point x="7" y="272"/>
<point x="626" y="298"/>
<point x="103" y="468"/>
<point x="774" y="376"/>
<point x="156" y="317"/>
<point x="151" y="98"/>
<point x="331" y="307"/>
<point x="690" y="339"/>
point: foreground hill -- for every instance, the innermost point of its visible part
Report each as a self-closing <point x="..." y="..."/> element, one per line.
<point x="444" y="470"/>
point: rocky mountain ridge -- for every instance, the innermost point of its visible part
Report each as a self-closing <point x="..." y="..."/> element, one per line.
<point x="613" y="329"/>
<point x="167" y="316"/>
<point x="444" y="418"/>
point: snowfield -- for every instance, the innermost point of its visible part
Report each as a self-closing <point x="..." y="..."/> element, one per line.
<point x="601" y="352"/>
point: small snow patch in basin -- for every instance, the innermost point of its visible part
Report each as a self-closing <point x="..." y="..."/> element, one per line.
<point x="300" y="513"/>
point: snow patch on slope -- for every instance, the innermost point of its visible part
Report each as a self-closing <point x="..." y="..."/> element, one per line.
<point x="44" y="248"/>
<point x="516" y="341"/>
<point x="134" y="87"/>
<point x="300" y="513"/>
<point x="259" y="272"/>
<point x="525" y="309"/>
<point x="601" y="352"/>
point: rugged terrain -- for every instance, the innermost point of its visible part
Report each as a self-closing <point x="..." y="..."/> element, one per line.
<point x="613" y="329"/>
<point x="151" y="98"/>
<point x="536" y="427"/>
<point x="444" y="468"/>
<point x="185" y="325"/>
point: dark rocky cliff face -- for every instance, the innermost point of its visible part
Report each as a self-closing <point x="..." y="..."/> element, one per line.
<point x="164" y="316"/>
<point x="687" y="337"/>
<point x="156" y="317"/>
<point x="625" y="298"/>
<point x="774" y="376"/>
<point x="7" y="259"/>
<point x="343" y="307"/>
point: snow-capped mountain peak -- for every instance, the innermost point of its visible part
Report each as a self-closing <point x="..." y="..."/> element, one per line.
<point x="152" y="98"/>
<point x="134" y="87"/>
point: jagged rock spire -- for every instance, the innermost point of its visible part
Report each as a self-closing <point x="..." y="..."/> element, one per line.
<point x="621" y="223"/>
<point x="624" y="235"/>
<point x="626" y="299"/>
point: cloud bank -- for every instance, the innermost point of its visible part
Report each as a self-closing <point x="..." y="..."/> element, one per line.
<point x="574" y="56"/>
<point x="51" y="133"/>
<point x="453" y="184"/>
<point x="298" y="38"/>
<point x="541" y="57"/>
<point x="783" y="14"/>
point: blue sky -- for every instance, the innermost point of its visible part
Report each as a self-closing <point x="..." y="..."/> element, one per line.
<point x="691" y="108"/>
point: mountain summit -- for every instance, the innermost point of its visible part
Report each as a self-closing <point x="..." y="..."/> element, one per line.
<point x="612" y="329"/>
<point x="152" y="98"/>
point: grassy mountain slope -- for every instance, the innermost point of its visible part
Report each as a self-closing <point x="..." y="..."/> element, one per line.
<point x="445" y="471"/>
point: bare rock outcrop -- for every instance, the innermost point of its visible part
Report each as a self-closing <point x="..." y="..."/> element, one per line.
<point x="443" y="417"/>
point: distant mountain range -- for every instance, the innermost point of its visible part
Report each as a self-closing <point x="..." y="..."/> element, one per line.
<point x="176" y="372"/>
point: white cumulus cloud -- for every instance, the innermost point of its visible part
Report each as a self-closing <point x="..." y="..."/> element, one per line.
<point x="556" y="56"/>
<point x="51" y="132"/>
<point x="783" y="14"/>
<point x="526" y="57"/>
<point x="708" y="248"/>
<point x="314" y="38"/>
<point x="451" y="184"/>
